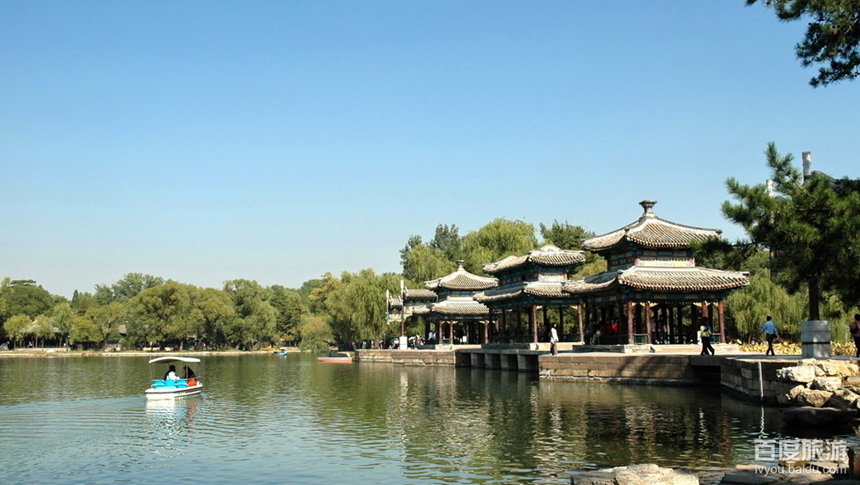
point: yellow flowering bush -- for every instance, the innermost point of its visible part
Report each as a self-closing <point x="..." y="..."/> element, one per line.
<point x="793" y="348"/>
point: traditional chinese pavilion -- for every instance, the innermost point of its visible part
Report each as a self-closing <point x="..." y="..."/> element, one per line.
<point x="653" y="289"/>
<point x="530" y="282"/>
<point x="449" y="301"/>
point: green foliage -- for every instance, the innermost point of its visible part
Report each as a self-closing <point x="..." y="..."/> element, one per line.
<point x="564" y="235"/>
<point x="356" y="306"/>
<point x="101" y="324"/>
<point x="424" y="263"/>
<point x="23" y="297"/>
<point x="131" y="285"/>
<point x="163" y="313"/>
<point x="291" y="309"/>
<point x="316" y="334"/>
<point x="832" y="36"/>
<point x="804" y="228"/>
<point x="447" y="240"/>
<point x="256" y="318"/>
<point x="749" y="307"/>
<point x="214" y="311"/>
<point x="16" y="326"/>
<point x="495" y="241"/>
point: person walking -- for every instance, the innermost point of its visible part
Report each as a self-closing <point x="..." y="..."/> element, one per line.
<point x="553" y="340"/>
<point x="769" y="330"/>
<point x="705" y="335"/>
<point x="854" y="328"/>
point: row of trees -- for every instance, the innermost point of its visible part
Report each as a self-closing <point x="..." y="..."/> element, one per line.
<point x="803" y="253"/>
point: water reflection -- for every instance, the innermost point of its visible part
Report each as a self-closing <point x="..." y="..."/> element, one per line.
<point x="290" y="419"/>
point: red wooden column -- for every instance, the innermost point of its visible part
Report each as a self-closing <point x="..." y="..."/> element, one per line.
<point x="545" y="320"/>
<point x="579" y="317"/>
<point x="722" y="318"/>
<point x="561" y="323"/>
<point x="533" y="322"/>
<point x="630" y="309"/>
<point x="648" y="321"/>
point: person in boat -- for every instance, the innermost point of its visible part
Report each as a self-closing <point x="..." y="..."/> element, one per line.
<point x="170" y="375"/>
<point x="189" y="374"/>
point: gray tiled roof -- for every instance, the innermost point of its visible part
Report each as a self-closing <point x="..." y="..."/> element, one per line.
<point x="548" y="255"/>
<point x="649" y="231"/>
<point x="418" y="294"/>
<point x="661" y="279"/>
<point x="457" y="307"/>
<point x="462" y="280"/>
<point x="542" y="289"/>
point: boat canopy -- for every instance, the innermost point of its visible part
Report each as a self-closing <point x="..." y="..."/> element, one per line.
<point x="173" y="358"/>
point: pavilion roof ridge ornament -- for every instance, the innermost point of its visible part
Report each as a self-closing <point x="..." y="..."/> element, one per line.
<point x="648" y="205"/>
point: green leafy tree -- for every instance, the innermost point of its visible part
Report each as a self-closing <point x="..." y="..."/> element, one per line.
<point x="291" y="310"/>
<point x="832" y="35"/>
<point x="131" y="285"/>
<point x="425" y="263"/>
<point x="23" y="297"/>
<point x="62" y="319"/>
<point x="316" y="334"/>
<point x="164" y="313"/>
<point x="803" y="227"/>
<point x="84" y="330"/>
<point x="16" y="327"/>
<point x="749" y="307"/>
<point x="256" y="318"/>
<point x="496" y="240"/>
<point x="105" y="322"/>
<point x="213" y="311"/>
<point x="447" y="240"/>
<point x="356" y="308"/>
<point x="564" y="235"/>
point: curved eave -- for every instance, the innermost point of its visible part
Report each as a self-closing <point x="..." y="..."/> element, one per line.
<point x="462" y="281"/>
<point x="472" y="308"/>
<point x="682" y="279"/>
<point x="547" y="256"/>
<point x="651" y="233"/>
<point x="593" y="283"/>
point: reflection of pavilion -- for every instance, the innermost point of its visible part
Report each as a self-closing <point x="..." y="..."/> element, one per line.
<point x="652" y="283"/>
<point x="652" y="291"/>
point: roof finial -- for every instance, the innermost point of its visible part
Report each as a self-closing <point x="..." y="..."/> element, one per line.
<point x="648" y="205"/>
<point x="460" y="263"/>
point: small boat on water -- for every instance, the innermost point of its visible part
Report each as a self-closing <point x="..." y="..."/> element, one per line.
<point x="335" y="359"/>
<point x="175" y="384"/>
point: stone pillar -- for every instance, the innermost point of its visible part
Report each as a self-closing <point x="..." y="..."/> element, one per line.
<point x="815" y="339"/>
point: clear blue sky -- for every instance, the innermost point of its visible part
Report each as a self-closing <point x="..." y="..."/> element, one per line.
<point x="277" y="141"/>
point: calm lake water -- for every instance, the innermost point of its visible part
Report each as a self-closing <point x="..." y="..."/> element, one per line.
<point x="269" y="419"/>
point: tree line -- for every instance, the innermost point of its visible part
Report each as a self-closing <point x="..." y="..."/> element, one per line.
<point x="802" y="251"/>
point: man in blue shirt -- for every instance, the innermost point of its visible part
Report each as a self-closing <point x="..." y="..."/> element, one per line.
<point x="769" y="329"/>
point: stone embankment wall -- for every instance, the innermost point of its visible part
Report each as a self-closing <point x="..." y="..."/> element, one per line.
<point x="644" y="369"/>
<point x="407" y="357"/>
<point x="741" y="376"/>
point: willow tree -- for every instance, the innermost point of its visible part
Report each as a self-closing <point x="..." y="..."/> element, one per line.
<point x="356" y="307"/>
<point x="803" y="224"/>
<point x="496" y="240"/>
